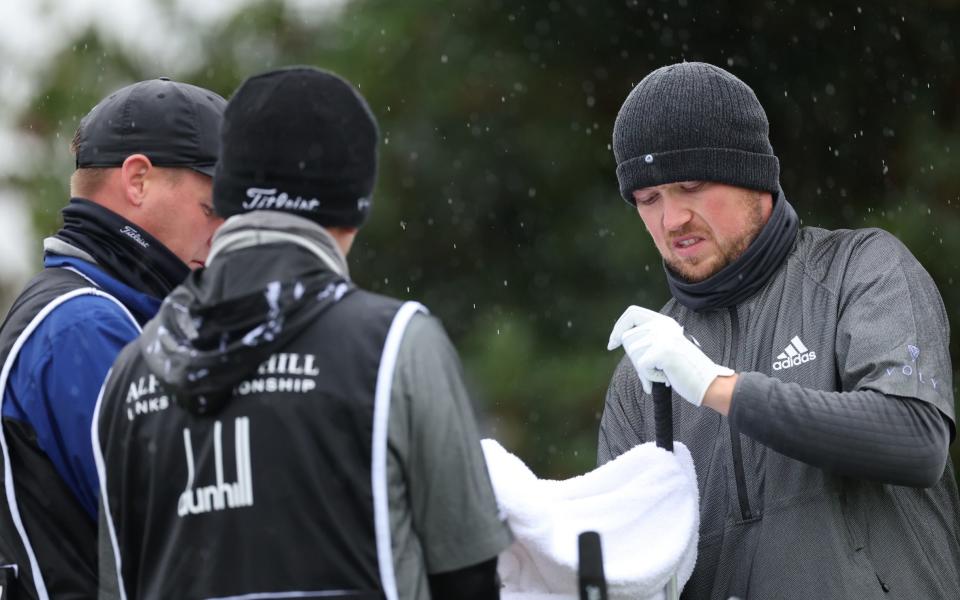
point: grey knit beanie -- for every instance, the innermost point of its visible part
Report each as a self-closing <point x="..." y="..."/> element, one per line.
<point x="693" y="122"/>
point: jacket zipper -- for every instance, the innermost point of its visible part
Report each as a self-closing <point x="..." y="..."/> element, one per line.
<point x="742" y="496"/>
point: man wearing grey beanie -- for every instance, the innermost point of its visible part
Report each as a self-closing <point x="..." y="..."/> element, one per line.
<point x="810" y="369"/>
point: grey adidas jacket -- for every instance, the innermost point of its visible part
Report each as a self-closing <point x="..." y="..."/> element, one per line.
<point x="830" y="476"/>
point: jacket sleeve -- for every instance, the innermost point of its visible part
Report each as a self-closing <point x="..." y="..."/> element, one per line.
<point x="435" y="438"/>
<point x="862" y="434"/>
<point x="893" y="418"/>
<point x="83" y="338"/>
<point x="893" y="336"/>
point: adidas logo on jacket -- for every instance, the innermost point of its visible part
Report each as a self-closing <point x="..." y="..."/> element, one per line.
<point x="794" y="354"/>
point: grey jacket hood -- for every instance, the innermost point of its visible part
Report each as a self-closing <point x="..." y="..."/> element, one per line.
<point x="269" y="275"/>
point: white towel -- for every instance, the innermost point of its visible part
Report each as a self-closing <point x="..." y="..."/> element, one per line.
<point x="644" y="504"/>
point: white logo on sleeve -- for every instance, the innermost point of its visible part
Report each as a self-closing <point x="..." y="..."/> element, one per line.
<point x="220" y="495"/>
<point x="914" y="352"/>
<point x="796" y="353"/>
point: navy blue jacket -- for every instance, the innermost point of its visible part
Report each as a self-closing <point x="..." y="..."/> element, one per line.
<point x="54" y="383"/>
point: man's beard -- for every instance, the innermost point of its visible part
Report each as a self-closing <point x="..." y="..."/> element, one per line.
<point x="728" y="250"/>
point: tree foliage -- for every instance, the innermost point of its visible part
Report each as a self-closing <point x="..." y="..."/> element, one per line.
<point x="497" y="204"/>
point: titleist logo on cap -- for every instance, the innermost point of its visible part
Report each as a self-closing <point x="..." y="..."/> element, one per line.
<point x="263" y="198"/>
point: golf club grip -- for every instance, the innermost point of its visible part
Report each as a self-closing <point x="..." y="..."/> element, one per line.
<point x="663" y="415"/>
<point x="592" y="582"/>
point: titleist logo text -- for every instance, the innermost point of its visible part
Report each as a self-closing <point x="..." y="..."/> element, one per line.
<point x="262" y="198"/>
<point x="134" y="235"/>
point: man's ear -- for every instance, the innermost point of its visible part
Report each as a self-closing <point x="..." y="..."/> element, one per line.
<point x="134" y="178"/>
<point x="344" y="237"/>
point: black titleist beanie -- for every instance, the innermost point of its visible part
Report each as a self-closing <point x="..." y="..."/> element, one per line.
<point x="298" y="140"/>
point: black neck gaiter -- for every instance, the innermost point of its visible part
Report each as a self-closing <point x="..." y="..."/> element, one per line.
<point x="126" y="251"/>
<point x="745" y="276"/>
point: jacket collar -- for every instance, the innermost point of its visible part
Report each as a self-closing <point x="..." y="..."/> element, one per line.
<point x="271" y="227"/>
<point x="141" y="305"/>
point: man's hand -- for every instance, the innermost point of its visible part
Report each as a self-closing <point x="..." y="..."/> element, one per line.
<point x="660" y="352"/>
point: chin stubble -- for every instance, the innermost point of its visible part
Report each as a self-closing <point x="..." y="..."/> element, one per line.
<point x="728" y="251"/>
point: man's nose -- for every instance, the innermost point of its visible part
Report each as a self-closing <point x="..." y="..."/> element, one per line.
<point x="676" y="214"/>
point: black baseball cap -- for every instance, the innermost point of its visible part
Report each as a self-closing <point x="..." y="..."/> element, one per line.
<point x="173" y="124"/>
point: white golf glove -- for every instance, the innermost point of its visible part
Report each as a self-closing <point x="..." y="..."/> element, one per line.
<point x="661" y="353"/>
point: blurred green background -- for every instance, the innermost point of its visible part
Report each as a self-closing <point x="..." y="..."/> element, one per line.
<point x="497" y="203"/>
